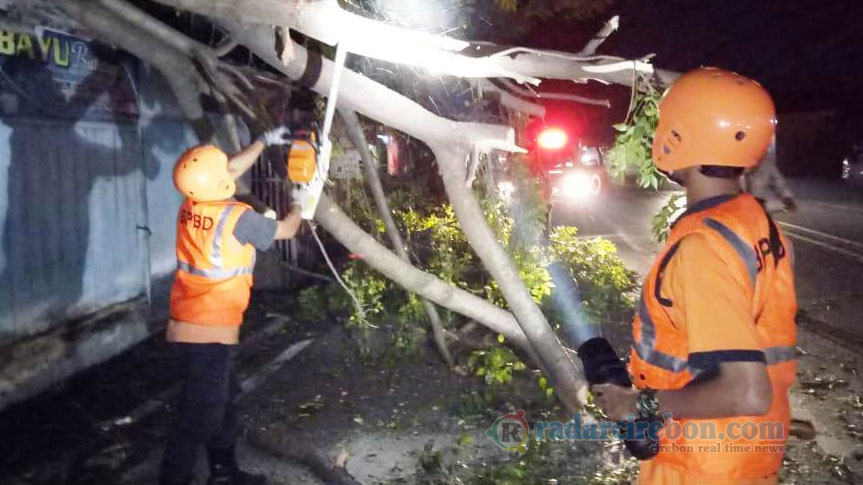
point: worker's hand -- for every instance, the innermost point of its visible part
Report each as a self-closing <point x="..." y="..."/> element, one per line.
<point x="616" y="402"/>
<point x="277" y="136"/>
<point x="270" y="214"/>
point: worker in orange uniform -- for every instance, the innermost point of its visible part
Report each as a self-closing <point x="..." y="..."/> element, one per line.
<point x="216" y="242"/>
<point x="714" y="335"/>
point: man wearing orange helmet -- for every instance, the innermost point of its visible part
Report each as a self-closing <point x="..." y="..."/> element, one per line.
<point x="714" y="335"/>
<point x="216" y="242"/>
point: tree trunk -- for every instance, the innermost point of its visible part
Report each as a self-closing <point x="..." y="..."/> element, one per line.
<point x="450" y="139"/>
<point x="358" y="139"/>
<point x="413" y="279"/>
<point x="565" y="375"/>
<point x="325" y="21"/>
<point x="177" y="69"/>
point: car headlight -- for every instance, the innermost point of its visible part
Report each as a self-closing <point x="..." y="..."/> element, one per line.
<point x="580" y="185"/>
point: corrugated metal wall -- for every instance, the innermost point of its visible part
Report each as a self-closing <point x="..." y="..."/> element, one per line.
<point x="71" y="242"/>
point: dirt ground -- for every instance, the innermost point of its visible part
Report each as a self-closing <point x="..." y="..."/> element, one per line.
<point x="423" y="424"/>
<point x="413" y="423"/>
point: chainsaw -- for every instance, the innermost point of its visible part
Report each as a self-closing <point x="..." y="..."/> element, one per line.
<point x="308" y="159"/>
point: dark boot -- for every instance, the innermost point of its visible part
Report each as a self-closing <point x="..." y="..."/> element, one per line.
<point x="222" y="475"/>
<point x="225" y="471"/>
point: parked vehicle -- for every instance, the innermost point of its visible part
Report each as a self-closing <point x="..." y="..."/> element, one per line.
<point x="579" y="178"/>
<point x="852" y="165"/>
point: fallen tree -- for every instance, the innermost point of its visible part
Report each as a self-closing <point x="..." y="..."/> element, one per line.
<point x="259" y="26"/>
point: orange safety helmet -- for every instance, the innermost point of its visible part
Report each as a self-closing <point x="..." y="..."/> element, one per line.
<point x="713" y="117"/>
<point x="201" y="174"/>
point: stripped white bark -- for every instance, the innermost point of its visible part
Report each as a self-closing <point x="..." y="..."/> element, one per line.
<point x="606" y="30"/>
<point x="514" y="88"/>
<point x="324" y="20"/>
<point x="513" y="102"/>
<point x="355" y="133"/>
<point x="450" y="142"/>
<point x="413" y="279"/>
<point x="179" y="71"/>
<point x="564" y="373"/>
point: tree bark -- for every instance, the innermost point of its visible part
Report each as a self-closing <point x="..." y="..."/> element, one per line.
<point x="358" y="139"/>
<point x="297" y="445"/>
<point x="370" y="98"/>
<point x="170" y="52"/>
<point x="449" y="140"/>
<point x="177" y="68"/>
<point x="257" y="11"/>
<point x="325" y="21"/>
<point x="413" y="279"/>
<point x="565" y="375"/>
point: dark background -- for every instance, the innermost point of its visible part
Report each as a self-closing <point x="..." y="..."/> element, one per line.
<point x="808" y="54"/>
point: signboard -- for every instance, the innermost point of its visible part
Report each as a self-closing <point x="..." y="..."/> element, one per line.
<point x="51" y="73"/>
<point x="346" y="165"/>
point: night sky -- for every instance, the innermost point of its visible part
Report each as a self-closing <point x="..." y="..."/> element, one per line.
<point x="809" y="54"/>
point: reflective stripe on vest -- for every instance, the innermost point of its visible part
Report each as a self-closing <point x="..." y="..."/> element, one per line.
<point x="646" y="346"/>
<point x="217" y="272"/>
<point x="216" y="255"/>
<point x="777" y="355"/>
<point x="747" y="254"/>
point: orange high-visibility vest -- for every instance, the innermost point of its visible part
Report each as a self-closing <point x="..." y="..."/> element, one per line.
<point x="214" y="271"/>
<point x="752" y="247"/>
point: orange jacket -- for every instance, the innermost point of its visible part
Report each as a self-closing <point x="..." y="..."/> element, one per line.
<point x="214" y="271"/>
<point x="742" y="248"/>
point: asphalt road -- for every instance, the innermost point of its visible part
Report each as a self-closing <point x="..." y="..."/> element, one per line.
<point x="826" y="234"/>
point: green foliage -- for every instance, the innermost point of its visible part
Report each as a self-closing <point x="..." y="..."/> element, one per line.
<point x="661" y="222"/>
<point x="634" y="141"/>
<point x="316" y="302"/>
<point x="444" y="246"/>
<point x="496" y="365"/>
<point x="368" y="287"/>
<point x="602" y="277"/>
<point x="439" y="246"/>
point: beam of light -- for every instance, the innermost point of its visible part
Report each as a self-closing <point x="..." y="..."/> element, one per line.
<point x="566" y="297"/>
<point x="567" y="300"/>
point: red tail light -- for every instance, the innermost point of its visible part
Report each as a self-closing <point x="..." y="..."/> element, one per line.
<point x="552" y="139"/>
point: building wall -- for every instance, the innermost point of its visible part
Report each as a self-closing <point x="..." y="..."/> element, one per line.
<point x="74" y="197"/>
<point x="88" y="140"/>
<point x="87" y="208"/>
